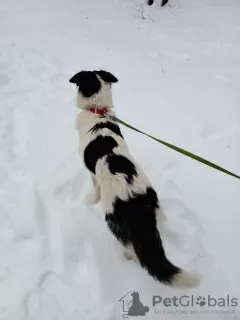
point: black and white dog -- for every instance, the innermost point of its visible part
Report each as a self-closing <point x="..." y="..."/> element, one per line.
<point x="128" y="200"/>
<point x="150" y="2"/>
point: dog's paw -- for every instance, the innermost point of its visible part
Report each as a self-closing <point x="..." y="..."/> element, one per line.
<point x="91" y="198"/>
<point x="161" y="217"/>
<point x="130" y="255"/>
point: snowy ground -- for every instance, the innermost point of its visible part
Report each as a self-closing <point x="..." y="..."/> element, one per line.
<point x="179" y="79"/>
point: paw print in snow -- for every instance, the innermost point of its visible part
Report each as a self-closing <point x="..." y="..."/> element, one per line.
<point x="201" y="301"/>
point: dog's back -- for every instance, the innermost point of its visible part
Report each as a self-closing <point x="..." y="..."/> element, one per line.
<point x="106" y="155"/>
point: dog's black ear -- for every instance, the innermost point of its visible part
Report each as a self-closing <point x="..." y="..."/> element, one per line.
<point x="74" y="78"/>
<point x="87" y="82"/>
<point x="106" y="76"/>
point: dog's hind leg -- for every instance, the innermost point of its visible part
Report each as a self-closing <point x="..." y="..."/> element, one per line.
<point x="94" y="196"/>
<point x="164" y="229"/>
<point x="120" y="231"/>
<point x="160" y="216"/>
<point x="129" y="253"/>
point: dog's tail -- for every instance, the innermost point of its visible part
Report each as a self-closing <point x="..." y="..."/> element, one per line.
<point x="148" y="247"/>
<point x="150" y="2"/>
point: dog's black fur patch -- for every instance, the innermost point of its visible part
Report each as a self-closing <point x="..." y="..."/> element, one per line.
<point x="87" y="82"/>
<point x="106" y="76"/>
<point x="108" y="125"/>
<point x="98" y="148"/>
<point x="120" y="164"/>
<point x="134" y="221"/>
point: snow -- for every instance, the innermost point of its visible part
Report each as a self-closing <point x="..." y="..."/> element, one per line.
<point x="179" y="79"/>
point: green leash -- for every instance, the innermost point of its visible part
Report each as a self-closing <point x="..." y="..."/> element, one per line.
<point x="182" y="151"/>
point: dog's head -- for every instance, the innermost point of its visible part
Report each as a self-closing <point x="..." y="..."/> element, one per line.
<point x="94" y="88"/>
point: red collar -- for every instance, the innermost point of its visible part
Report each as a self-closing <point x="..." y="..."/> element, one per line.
<point x="98" y="111"/>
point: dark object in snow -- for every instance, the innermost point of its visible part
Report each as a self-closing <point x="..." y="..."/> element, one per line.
<point x="164" y="2"/>
<point x="150" y="2"/>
